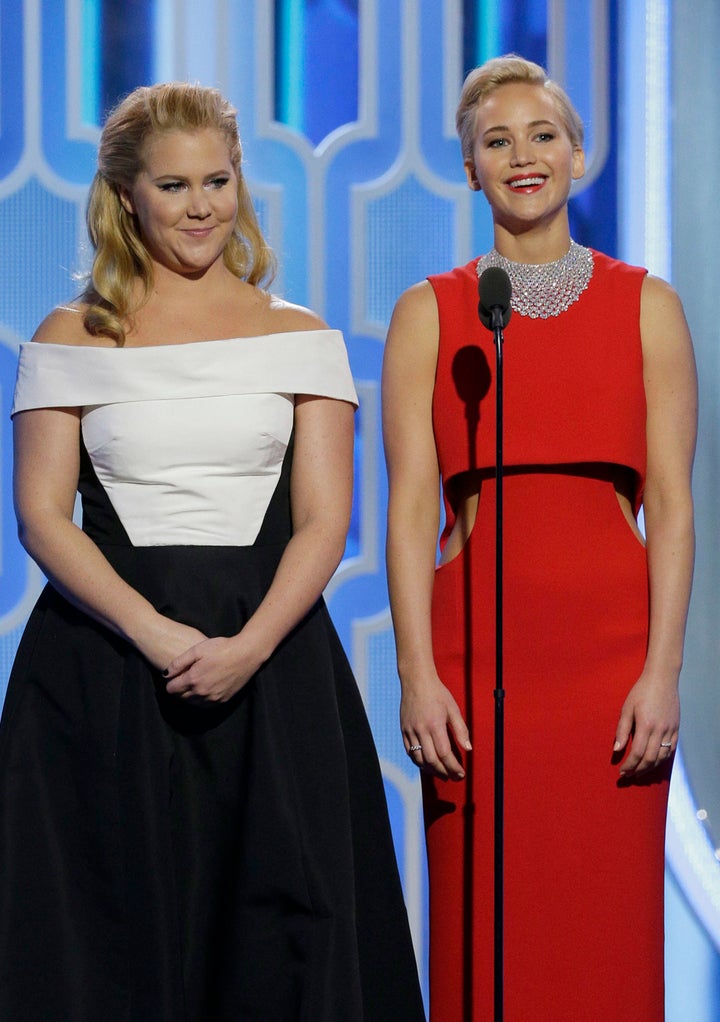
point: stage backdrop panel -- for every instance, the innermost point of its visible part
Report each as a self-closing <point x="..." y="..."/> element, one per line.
<point x="346" y="110"/>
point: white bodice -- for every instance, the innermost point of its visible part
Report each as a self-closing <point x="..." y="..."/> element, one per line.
<point x="187" y="440"/>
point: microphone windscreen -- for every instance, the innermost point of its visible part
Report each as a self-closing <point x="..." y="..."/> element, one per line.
<point x="495" y="291"/>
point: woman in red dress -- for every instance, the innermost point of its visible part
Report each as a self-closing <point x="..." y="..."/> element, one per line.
<point x="600" y="420"/>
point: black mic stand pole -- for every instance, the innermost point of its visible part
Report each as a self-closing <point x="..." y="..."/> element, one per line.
<point x="494" y="310"/>
<point x="499" y="693"/>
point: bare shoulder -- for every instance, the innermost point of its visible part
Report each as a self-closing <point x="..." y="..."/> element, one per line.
<point x="662" y="318"/>
<point x="660" y="302"/>
<point x="656" y="291"/>
<point x="418" y="302"/>
<point x="65" y="325"/>
<point x="415" y="323"/>
<point x="283" y="315"/>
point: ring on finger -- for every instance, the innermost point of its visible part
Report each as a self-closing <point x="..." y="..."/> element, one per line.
<point x="666" y="745"/>
<point x="415" y="748"/>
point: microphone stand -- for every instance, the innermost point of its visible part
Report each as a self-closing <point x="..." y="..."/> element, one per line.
<point x="494" y="310"/>
<point x="499" y="692"/>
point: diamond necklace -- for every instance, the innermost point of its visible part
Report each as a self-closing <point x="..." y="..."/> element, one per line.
<point x="541" y="290"/>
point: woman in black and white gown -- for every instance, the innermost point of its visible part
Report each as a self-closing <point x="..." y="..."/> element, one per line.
<point x="192" y="821"/>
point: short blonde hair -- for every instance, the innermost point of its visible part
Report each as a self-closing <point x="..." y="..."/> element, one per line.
<point x="120" y="255"/>
<point x="508" y="70"/>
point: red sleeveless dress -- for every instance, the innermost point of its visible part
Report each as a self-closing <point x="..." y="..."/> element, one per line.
<point x="584" y="854"/>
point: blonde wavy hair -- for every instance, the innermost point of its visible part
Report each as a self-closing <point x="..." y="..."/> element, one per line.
<point x="120" y="256"/>
<point x="508" y="70"/>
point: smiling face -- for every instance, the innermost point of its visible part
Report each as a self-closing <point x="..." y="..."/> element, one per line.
<point x="523" y="159"/>
<point x="185" y="199"/>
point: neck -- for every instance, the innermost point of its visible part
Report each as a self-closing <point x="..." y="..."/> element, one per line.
<point x="177" y="276"/>
<point x="539" y="245"/>
<point x="204" y="285"/>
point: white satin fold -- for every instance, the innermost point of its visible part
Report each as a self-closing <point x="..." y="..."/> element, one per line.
<point x="187" y="440"/>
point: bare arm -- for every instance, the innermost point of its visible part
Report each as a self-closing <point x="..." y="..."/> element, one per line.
<point x="321" y="497"/>
<point x="651" y="712"/>
<point x="428" y="712"/>
<point x="46" y="466"/>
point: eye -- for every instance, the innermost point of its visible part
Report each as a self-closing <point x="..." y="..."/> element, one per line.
<point x="497" y="143"/>
<point x="218" y="182"/>
<point x="171" y="187"/>
<point x="544" y="136"/>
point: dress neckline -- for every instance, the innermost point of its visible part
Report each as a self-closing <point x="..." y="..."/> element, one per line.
<point x="178" y="344"/>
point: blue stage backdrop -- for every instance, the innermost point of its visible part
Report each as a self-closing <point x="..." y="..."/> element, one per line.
<point x="346" y="110"/>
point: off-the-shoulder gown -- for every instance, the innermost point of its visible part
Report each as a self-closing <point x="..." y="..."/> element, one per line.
<point x="161" y="861"/>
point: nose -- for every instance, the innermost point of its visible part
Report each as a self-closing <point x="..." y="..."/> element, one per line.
<point x="522" y="154"/>
<point x="198" y="204"/>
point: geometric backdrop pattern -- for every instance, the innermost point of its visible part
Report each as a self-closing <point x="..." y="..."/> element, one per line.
<point x="346" y="112"/>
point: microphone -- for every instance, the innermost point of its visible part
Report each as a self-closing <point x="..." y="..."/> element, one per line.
<point x="495" y="291"/>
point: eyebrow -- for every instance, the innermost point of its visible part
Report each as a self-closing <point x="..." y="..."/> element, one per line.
<point x="182" y="177"/>
<point x="531" y="124"/>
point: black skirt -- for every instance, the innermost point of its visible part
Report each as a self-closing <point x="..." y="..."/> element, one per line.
<point x="167" y="862"/>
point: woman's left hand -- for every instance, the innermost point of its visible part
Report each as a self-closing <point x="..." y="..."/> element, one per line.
<point x="651" y="712"/>
<point x="213" y="671"/>
<point x="651" y="715"/>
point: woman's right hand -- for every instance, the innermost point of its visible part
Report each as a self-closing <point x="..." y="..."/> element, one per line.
<point x="430" y="718"/>
<point x="167" y="639"/>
